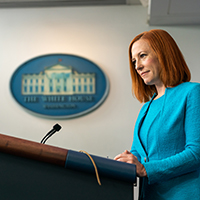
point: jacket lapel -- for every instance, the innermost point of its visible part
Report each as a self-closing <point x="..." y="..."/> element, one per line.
<point x="141" y="118"/>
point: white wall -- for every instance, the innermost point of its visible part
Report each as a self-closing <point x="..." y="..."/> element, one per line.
<point x="100" y="34"/>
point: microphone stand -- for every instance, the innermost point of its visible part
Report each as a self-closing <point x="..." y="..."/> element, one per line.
<point x="56" y="127"/>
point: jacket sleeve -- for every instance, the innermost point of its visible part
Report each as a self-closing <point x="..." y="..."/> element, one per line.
<point x="189" y="159"/>
<point x="135" y="153"/>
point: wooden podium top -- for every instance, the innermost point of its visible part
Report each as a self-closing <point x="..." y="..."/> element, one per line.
<point x="33" y="150"/>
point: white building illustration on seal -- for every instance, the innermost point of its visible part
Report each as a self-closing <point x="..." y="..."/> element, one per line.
<point x="58" y="80"/>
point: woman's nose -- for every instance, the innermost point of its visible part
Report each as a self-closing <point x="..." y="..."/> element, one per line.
<point x="138" y="66"/>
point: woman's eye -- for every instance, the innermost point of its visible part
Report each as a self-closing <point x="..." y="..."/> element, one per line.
<point x="142" y="55"/>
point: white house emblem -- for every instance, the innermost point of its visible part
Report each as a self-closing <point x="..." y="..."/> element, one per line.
<point x="59" y="86"/>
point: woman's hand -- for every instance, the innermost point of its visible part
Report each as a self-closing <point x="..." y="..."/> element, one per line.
<point x="128" y="157"/>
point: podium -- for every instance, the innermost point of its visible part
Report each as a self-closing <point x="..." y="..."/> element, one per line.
<point x="34" y="171"/>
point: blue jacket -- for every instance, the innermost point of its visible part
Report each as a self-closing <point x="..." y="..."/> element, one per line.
<point x="172" y="157"/>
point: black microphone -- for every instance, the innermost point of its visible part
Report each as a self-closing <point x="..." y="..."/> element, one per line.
<point x="56" y="127"/>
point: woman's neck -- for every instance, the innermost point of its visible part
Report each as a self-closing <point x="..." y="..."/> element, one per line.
<point x="160" y="91"/>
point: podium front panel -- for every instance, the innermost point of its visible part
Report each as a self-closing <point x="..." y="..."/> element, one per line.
<point x="28" y="179"/>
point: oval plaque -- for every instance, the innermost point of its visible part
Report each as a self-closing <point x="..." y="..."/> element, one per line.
<point x="59" y="86"/>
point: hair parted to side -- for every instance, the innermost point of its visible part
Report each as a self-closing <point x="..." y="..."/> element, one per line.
<point x="174" y="69"/>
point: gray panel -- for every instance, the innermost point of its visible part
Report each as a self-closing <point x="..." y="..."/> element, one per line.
<point x="39" y="3"/>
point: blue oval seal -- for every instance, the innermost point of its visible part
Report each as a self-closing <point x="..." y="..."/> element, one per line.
<point x="59" y="86"/>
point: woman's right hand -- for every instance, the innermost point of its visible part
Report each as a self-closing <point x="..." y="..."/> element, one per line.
<point x="128" y="157"/>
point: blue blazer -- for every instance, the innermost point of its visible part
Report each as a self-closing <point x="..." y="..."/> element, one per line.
<point x="172" y="157"/>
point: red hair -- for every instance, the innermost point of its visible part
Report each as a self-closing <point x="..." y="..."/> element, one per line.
<point x="174" y="69"/>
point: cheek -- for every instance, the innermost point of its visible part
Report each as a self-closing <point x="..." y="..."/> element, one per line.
<point x="149" y="62"/>
<point x="153" y="62"/>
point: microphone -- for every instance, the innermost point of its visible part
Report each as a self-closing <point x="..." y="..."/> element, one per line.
<point x="56" y="127"/>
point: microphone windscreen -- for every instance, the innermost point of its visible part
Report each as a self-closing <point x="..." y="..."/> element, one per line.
<point x="57" y="127"/>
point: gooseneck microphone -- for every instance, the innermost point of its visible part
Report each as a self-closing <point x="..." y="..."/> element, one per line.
<point x="56" y="127"/>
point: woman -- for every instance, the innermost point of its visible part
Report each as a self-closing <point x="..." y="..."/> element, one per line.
<point x="166" y="143"/>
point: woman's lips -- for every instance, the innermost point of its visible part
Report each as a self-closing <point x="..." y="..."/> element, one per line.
<point x="144" y="73"/>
